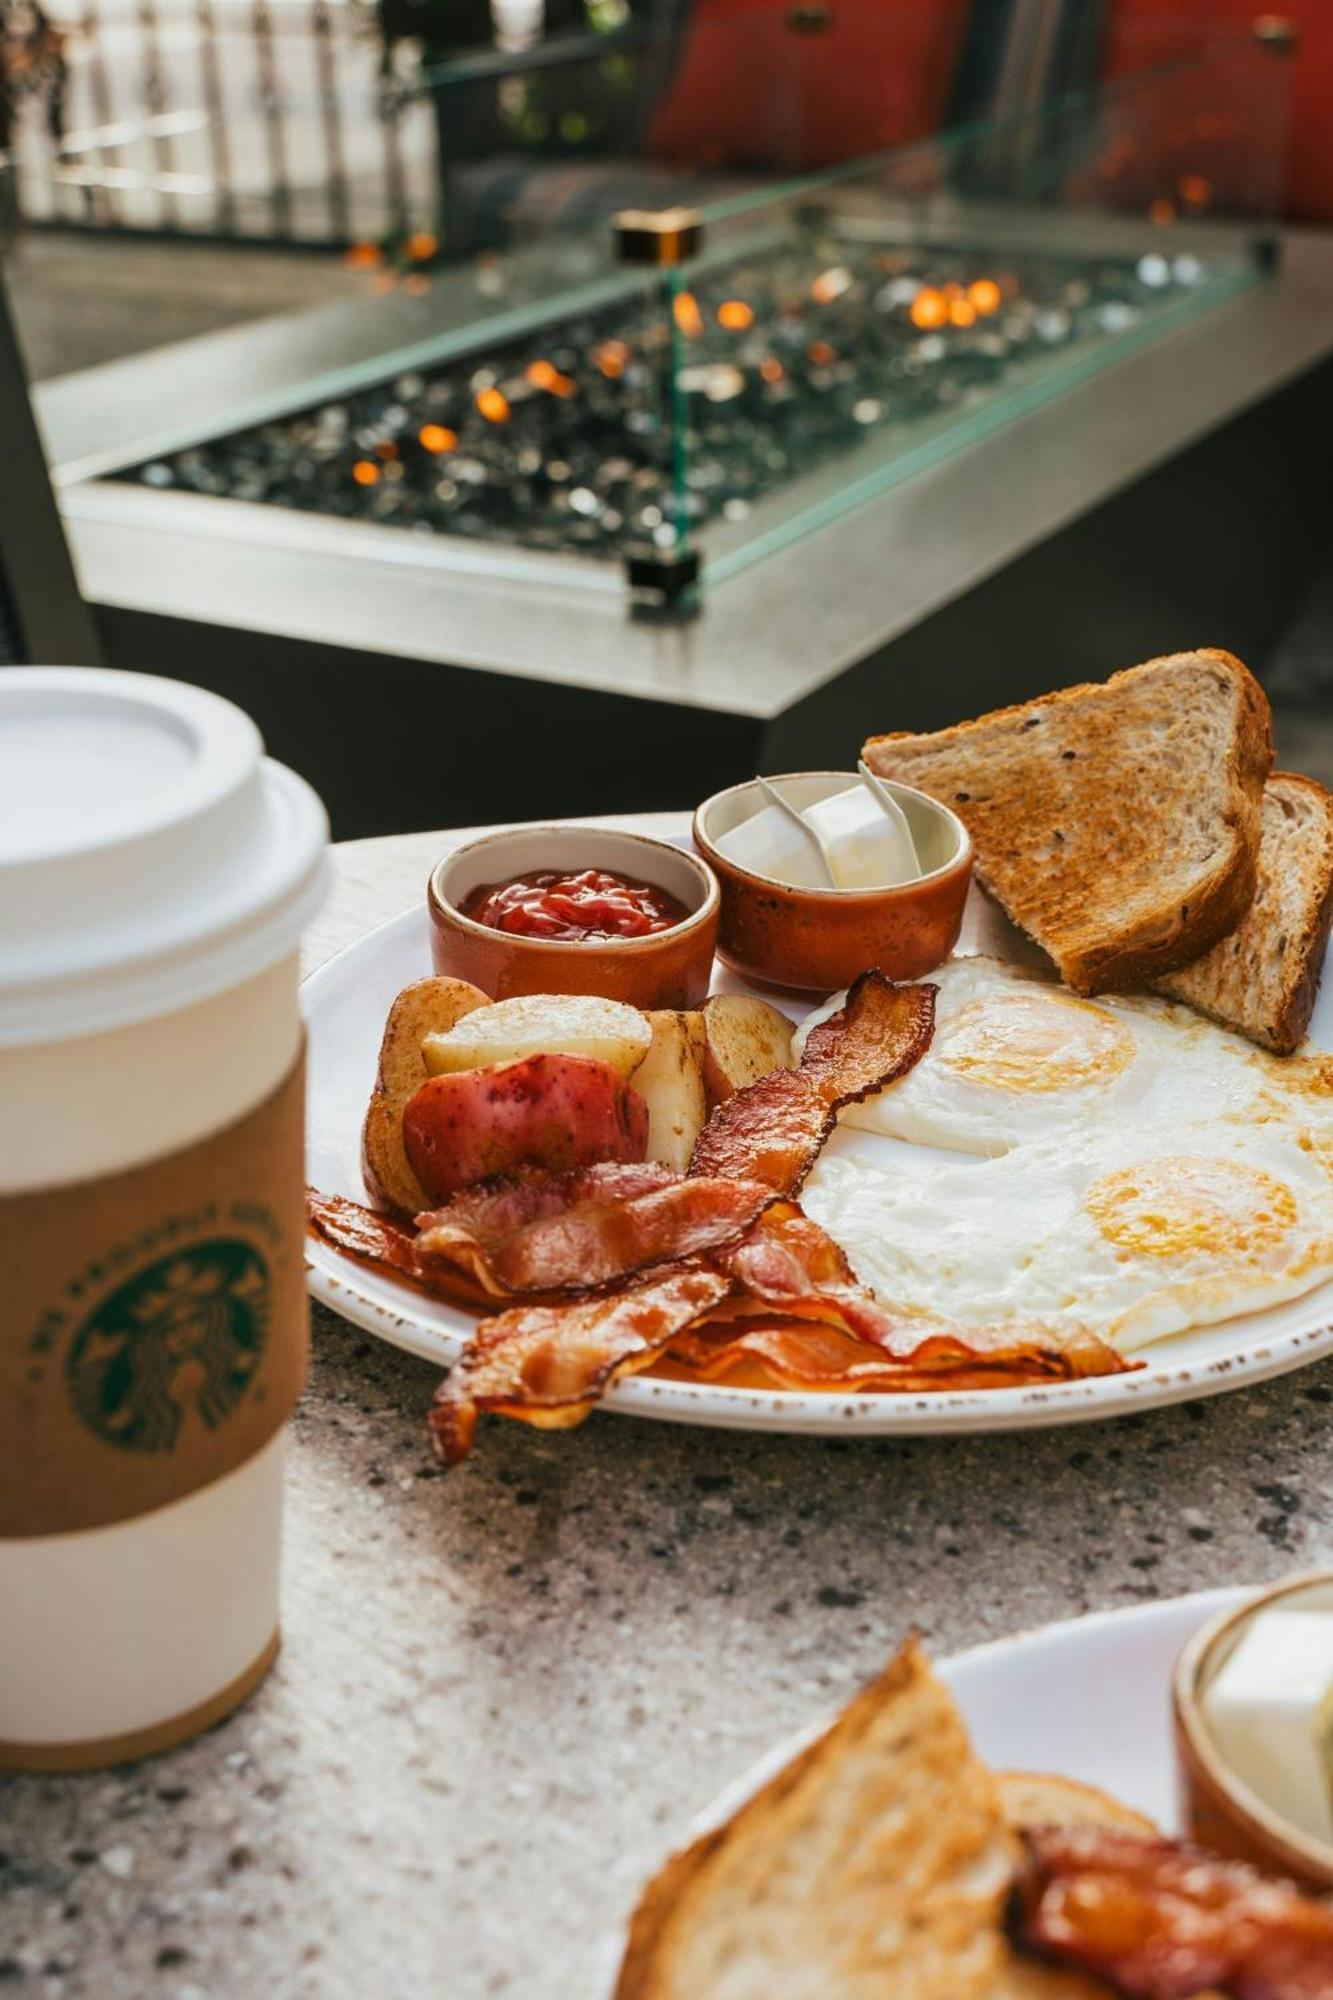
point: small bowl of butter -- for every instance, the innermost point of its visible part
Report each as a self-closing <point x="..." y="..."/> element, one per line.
<point x="826" y="873"/>
<point x="1252" y="1697"/>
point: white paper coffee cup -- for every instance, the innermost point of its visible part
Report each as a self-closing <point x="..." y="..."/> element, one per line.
<point x="156" y="871"/>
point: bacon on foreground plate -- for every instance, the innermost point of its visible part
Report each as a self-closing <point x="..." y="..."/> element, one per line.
<point x="782" y="1306"/>
<point x="773" y="1130"/>
<point x="762" y="1352"/>
<point x="549" y="1364"/>
<point x="714" y="1274"/>
<point x="1160" y="1921"/>
<point x="541" y="1235"/>
<point x="599" y="1226"/>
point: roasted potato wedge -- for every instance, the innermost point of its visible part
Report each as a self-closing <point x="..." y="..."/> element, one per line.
<point x="556" y="1111"/>
<point x="670" y="1079"/>
<point x="427" y="1006"/>
<point x="553" y="1024"/>
<point x="743" y="1040"/>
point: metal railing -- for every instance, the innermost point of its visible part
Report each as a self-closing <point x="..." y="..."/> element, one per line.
<point x="251" y="120"/>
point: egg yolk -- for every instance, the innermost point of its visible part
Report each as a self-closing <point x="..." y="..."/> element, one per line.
<point x="1172" y="1207"/>
<point x="1035" y="1042"/>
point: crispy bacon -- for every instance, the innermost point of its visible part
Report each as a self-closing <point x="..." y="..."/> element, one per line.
<point x="493" y="1208"/>
<point x="550" y="1364"/>
<point x="782" y="1306"/>
<point x="774" y="1130"/>
<point x="362" y="1232"/>
<point x="787" y="1261"/>
<point x="377" y="1240"/>
<point x="587" y="1230"/>
<point x="749" y="1350"/>
<point x="790" y="1266"/>
<point x="878" y="1034"/>
<point x="771" y="1131"/>
<point x="1161" y="1921"/>
<point x="541" y="1235"/>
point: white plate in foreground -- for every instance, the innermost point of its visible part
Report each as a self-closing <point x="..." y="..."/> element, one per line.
<point x="345" y="1005"/>
<point x="1088" y="1699"/>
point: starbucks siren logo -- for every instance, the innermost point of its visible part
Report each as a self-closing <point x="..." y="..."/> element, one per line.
<point x="185" y="1332"/>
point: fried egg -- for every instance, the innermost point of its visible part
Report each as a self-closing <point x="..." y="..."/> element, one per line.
<point x="1132" y="1232"/>
<point x="1136" y="1170"/>
<point x="1016" y="1057"/>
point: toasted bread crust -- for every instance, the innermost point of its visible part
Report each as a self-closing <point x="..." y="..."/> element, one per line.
<point x="1233" y="987"/>
<point x="1101" y="936"/>
<point x="1035" y="1798"/>
<point x="906" y="1697"/>
<point x="896" y="1767"/>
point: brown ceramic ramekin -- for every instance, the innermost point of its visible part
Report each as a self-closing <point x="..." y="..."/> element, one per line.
<point x="669" y="968"/>
<point x="817" y="939"/>
<point x="1217" y="1810"/>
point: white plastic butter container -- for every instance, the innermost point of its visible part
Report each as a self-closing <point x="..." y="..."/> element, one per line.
<point x="156" y="871"/>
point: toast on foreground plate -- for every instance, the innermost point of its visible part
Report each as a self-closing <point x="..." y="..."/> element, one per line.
<point x="1263" y="979"/>
<point x="1117" y="824"/>
<point x="877" y="1863"/>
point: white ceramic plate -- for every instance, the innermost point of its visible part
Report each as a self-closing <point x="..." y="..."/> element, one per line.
<point x="345" y="1004"/>
<point x="1088" y="1699"/>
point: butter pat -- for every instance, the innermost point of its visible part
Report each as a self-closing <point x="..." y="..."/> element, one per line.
<point x="867" y="846"/>
<point x="867" y="849"/>
<point x="770" y="844"/>
<point x="1270" y="1713"/>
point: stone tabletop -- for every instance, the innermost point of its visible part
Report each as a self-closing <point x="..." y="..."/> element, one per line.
<point x="504" y="1691"/>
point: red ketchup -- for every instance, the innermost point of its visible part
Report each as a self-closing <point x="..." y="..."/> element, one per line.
<point x="594" y="904"/>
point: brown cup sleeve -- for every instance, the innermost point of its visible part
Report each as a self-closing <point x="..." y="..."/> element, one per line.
<point x="153" y="1324"/>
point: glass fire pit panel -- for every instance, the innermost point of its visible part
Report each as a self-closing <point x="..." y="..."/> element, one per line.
<point x="828" y="339"/>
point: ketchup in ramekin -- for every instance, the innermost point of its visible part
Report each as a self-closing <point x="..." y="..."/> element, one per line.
<point x="594" y="904"/>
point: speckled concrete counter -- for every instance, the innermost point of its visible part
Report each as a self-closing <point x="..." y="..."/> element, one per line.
<point x="502" y="1693"/>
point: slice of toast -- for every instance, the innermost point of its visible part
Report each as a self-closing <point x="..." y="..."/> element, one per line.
<point x="1116" y="823"/>
<point x="1263" y="979"/>
<point x="1035" y="1798"/>
<point x="877" y="1862"/>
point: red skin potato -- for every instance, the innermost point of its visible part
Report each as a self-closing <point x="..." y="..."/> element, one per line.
<point x="558" y="1112"/>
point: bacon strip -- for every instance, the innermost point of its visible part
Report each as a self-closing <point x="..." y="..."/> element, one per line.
<point x="791" y="1265"/>
<point x="762" y="1352"/>
<point x="1161" y="1921"/>
<point x="541" y="1235"/>
<point x="782" y="1307"/>
<point x="550" y="1364"/>
<point x="362" y="1232"/>
<point x="382" y="1243"/>
<point x="771" y="1131"/>
<point x="878" y="1034"/>
<point x="586" y="1231"/>
<point x="774" y="1130"/>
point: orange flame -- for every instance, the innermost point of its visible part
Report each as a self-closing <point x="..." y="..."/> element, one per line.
<point x="929" y="308"/>
<point x="611" y="357"/>
<point x="687" y="314"/>
<point x="545" y="375"/>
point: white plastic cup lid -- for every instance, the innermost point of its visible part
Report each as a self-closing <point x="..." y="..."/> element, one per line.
<point x="151" y="856"/>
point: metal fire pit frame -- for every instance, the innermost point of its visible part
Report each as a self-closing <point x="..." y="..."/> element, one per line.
<point x="784" y="650"/>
